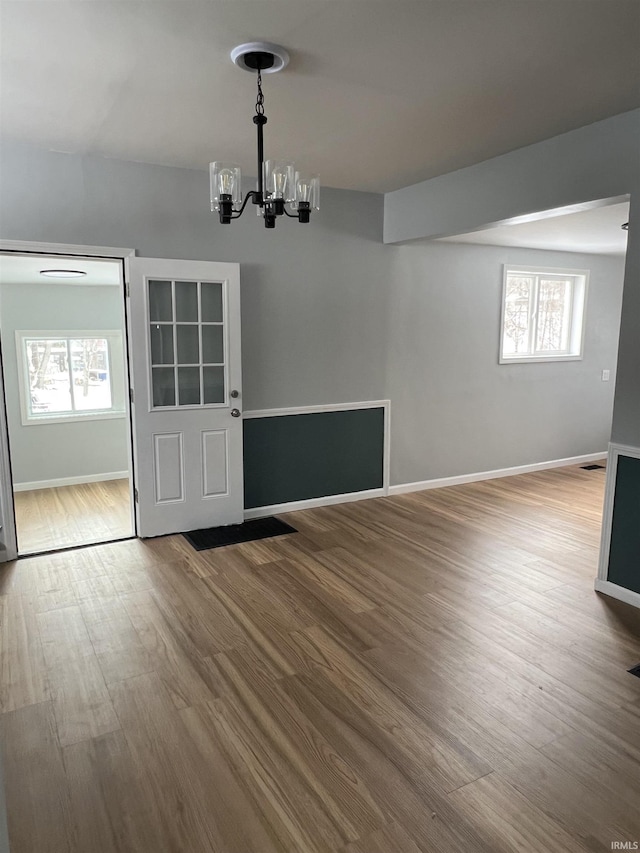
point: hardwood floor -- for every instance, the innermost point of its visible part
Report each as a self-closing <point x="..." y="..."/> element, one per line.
<point x="427" y="672"/>
<point x="48" y="519"/>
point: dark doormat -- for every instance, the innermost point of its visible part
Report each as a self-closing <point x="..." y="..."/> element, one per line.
<point x="233" y="534"/>
<point x="592" y="467"/>
<point x="635" y="670"/>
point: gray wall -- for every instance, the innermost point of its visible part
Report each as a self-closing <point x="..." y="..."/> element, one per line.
<point x="460" y="411"/>
<point x="330" y="314"/>
<point x="59" y="450"/>
<point x="601" y="160"/>
<point x="314" y="297"/>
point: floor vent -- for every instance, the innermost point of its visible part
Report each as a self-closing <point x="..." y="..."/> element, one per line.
<point x="635" y="670"/>
<point x="592" y="467"/>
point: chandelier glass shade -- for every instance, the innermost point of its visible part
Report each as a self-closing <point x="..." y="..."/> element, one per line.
<point x="281" y="189"/>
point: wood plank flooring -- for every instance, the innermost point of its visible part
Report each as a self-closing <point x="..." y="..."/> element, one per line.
<point x="427" y="673"/>
<point x="65" y="516"/>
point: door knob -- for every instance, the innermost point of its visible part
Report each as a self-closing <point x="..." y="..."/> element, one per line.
<point x="235" y="413"/>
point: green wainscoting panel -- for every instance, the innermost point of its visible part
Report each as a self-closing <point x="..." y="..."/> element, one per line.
<point x="624" y="552"/>
<point x="298" y="457"/>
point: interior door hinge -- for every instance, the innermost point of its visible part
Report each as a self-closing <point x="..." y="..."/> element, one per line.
<point x="127" y="289"/>
<point x="131" y="394"/>
<point x="135" y="495"/>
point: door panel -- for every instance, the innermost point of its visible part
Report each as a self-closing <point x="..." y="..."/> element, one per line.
<point x="185" y="351"/>
<point x="168" y="467"/>
<point x="215" y="456"/>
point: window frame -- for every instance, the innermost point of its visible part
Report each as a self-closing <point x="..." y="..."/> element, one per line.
<point x="115" y="354"/>
<point x="577" y="318"/>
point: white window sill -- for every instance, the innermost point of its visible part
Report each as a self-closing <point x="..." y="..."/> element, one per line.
<point x="533" y="359"/>
<point x="71" y="419"/>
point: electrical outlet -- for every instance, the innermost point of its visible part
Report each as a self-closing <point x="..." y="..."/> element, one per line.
<point x="605" y="375"/>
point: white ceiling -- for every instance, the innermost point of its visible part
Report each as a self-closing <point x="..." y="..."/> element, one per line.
<point x="596" y="231"/>
<point x="379" y="93"/>
<point x="25" y="269"/>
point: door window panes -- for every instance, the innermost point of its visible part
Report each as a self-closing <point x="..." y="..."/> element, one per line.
<point x="160" y="301"/>
<point x="188" y="347"/>
<point x="187" y="301"/>
<point x="211" y="299"/>
<point x="161" y="343"/>
<point x="213" y="384"/>
<point x="212" y="344"/>
<point x="187" y="343"/>
<point x="163" y="386"/>
<point x="189" y="386"/>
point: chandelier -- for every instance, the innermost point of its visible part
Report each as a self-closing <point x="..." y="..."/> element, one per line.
<point x="281" y="189"/>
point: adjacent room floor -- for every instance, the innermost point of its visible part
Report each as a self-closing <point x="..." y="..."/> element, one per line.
<point x="427" y="672"/>
<point x="48" y="519"/>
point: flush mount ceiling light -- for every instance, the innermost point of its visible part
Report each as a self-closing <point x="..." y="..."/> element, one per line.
<point x="63" y="273"/>
<point x="281" y="189"/>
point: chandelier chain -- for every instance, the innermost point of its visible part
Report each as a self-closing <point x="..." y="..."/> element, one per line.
<point x="280" y="190"/>
<point x="260" y="98"/>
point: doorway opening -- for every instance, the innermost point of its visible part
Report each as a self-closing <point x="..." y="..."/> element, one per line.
<point x="66" y="395"/>
<point x="557" y="336"/>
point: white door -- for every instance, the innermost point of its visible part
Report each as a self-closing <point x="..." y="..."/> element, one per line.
<point x="8" y="540"/>
<point x="187" y="394"/>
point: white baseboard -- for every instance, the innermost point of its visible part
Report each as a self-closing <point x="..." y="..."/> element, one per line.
<point x="619" y="592"/>
<point x="403" y="488"/>
<point x="312" y="503"/>
<point x="70" y="481"/>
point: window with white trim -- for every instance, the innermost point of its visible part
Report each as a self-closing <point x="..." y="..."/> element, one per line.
<point x="70" y="375"/>
<point x="543" y="313"/>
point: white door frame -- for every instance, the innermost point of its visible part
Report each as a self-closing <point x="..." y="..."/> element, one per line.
<point x="8" y="535"/>
<point x="6" y="484"/>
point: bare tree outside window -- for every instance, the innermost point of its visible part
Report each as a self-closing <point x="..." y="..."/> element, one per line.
<point x="86" y="354"/>
<point x="553" y="299"/>
<point x="516" y="314"/>
<point x="67" y="375"/>
<point x="39" y="355"/>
